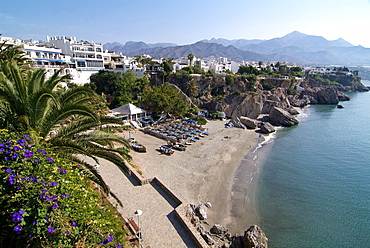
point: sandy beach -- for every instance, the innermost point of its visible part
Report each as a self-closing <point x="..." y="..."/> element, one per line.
<point x="214" y="169"/>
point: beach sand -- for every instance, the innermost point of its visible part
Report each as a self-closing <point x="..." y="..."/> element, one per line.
<point x="214" y="169"/>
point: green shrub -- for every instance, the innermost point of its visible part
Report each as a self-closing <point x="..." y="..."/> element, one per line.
<point x="47" y="201"/>
<point x="292" y="91"/>
<point x="267" y="86"/>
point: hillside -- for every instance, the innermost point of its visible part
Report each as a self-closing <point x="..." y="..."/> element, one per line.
<point x="295" y="47"/>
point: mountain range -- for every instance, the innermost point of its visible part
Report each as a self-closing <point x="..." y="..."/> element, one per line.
<point x="295" y="47"/>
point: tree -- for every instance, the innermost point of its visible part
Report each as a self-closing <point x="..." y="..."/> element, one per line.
<point x="167" y="65"/>
<point x="192" y="88"/>
<point x="164" y="98"/>
<point x="120" y="89"/>
<point x="29" y="102"/>
<point x="191" y="58"/>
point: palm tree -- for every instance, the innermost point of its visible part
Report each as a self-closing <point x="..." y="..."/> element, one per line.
<point x="190" y="58"/>
<point x="29" y="102"/>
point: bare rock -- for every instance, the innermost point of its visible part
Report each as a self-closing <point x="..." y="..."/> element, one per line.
<point x="343" y="97"/>
<point x="267" y="128"/>
<point x="218" y="229"/>
<point x="254" y="237"/>
<point x="282" y="117"/>
<point x="207" y="237"/>
<point x="249" y="122"/>
<point x="208" y="204"/>
<point x="200" y="211"/>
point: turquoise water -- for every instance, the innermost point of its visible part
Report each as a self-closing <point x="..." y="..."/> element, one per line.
<point x="314" y="186"/>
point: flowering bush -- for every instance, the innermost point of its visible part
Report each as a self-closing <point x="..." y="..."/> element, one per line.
<point x="46" y="201"/>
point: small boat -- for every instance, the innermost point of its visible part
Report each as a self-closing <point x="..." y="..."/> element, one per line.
<point x="138" y="147"/>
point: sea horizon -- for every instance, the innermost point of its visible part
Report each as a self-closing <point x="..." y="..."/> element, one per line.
<point x="313" y="186"/>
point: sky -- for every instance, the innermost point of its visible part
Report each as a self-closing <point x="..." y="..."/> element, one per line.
<point x="185" y="21"/>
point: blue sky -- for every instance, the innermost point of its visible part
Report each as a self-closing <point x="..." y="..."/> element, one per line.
<point x="185" y="21"/>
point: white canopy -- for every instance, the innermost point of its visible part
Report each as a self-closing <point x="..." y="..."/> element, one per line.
<point x="130" y="110"/>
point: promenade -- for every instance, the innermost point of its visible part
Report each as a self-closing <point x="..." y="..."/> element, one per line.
<point x="159" y="224"/>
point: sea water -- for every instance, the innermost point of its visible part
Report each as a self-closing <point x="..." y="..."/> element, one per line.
<point x="314" y="186"/>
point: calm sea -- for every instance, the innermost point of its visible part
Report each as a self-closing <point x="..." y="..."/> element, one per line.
<point x="314" y="186"/>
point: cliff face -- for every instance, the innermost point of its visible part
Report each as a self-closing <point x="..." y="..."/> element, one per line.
<point x="242" y="96"/>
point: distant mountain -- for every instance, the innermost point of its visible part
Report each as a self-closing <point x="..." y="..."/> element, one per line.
<point x="295" y="47"/>
<point x="238" y="43"/>
<point x="110" y="46"/>
<point x="199" y="49"/>
<point x="133" y="46"/>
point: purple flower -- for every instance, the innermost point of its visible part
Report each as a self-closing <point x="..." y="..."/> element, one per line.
<point x="51" y="229"/>
<point x="118" y="245"/>
<point x="20" y="141"/>
<point x="14" y="156"/>
<point x="65" y="195"/>
<point x="41" y="151"/>
<point x="21" y="211"/>
<point x="47" y="218"/>
<point x="28" y="154"/>
<point x="34" y="223"/>
<point x="50" y="159"/>
<point x="6" y="159"/>
<point x="11" y="179"/>
<point x="66" y="232"/>
<point x="36" y="160"/>
<point x="74" y="223"/>
<point x="2" y="150"/>
<point x="2" y="145"/>
<point x="54" y="206"/>
<point x="62" y="171"/>
<point x="17" y="228"/>
<point x="8" y="170"/>
<point x="26" y="136"/>
<point x="16" y="217"/>
<point x="17" y="148"/>
<point x="110" y="239"/>
<point x="53" y="184"/>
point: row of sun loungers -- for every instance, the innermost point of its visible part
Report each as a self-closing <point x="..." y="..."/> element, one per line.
<point x="176" y="131"/>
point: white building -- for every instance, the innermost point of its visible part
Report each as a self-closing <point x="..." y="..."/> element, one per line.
<point x="86" y="56"/>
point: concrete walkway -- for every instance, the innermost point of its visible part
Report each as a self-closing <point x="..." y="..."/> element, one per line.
<point x="159" y="224"/>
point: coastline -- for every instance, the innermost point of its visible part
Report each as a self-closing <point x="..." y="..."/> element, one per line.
<point x="215" y="169"/>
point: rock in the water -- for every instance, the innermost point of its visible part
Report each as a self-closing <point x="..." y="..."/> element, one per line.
<point x="249" y="122"/>
<point x="267" y="128"/>
<point x="218" y="229"/>
<point x="254" y="237"/>
<point x="340" y="106"/>
<point x="282" y="117"/>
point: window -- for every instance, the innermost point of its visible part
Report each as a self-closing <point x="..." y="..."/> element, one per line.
<point x="98" y="49"/>
<point x="81" y="64"/>
<point x="90" y="49"/>
<point x="99" y="56"/>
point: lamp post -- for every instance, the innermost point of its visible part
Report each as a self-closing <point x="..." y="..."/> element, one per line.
<point x="138" y="213"/>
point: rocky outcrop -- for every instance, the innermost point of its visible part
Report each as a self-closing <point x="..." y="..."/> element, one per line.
<point x="321" y="95"/>
<point x="249" y="122"/>
<point x="218" y="236"/>
<point x="267" y="128"/>
<point x="343" y="97"/>
<point x="279" y="116"/>
<point x="255" y="237"/>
